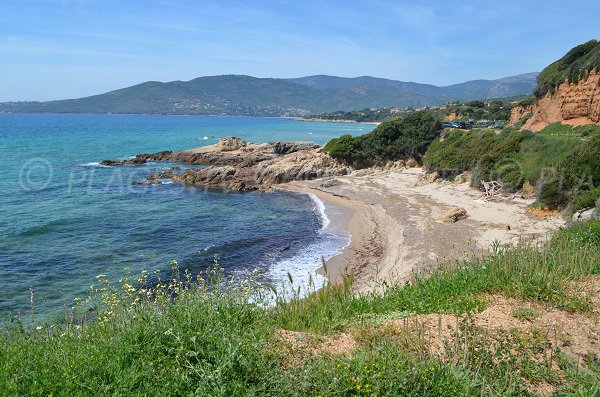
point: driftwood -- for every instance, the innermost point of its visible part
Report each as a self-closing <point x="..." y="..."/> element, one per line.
<point x="491" y="188"/>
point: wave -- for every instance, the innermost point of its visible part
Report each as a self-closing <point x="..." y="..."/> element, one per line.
<point x="319" y="209"/>
<point x="94" y="165"/>
<point x="303" y="265"/>
<point x="46" y="227"/>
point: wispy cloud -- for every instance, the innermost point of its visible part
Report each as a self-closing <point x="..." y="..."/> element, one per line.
<point x="104" y="42"/>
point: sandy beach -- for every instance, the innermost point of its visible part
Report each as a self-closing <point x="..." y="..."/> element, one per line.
<point x="395" y="219"/>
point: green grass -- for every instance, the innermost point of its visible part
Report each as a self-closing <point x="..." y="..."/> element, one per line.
<point x="566" y="130"/>
<point x="576" y="64"/>
<point x="525" y="313"/>
<point x="205" y="337"/>
<point x="540" y="152"/>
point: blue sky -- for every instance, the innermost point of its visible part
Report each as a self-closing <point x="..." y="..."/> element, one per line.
<point x="65" y="49"/>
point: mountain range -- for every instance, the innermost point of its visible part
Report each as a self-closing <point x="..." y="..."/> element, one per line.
<point x="240" y="95"/>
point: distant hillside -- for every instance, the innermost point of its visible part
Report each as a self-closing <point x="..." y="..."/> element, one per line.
<point x="250" y="96"/>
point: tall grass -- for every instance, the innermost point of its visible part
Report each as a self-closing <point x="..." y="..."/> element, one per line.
<point x="534" y="272"/>
<point x="213" y="336"/>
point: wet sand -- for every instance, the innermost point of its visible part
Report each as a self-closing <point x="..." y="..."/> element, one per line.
<point x="395" y="220"/>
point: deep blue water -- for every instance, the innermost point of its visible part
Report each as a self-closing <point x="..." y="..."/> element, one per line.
<point x="65" y="220"/>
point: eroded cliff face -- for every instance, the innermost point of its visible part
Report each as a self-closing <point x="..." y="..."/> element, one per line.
<point x="572" y="104"/>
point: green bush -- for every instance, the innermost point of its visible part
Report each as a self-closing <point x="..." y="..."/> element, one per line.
<point x="587" y="130"/>
<point x="556" y="129"/>
<point x="488" y="155"/>
<point x="530" y="100"/>
<point x="392" y="140"/>
<point x="574" y="176"/>
<point x="555" y="161"/>
<point x="494" y="109"/>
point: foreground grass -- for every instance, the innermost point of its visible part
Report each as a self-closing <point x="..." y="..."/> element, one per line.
<point x="205" y="337"/>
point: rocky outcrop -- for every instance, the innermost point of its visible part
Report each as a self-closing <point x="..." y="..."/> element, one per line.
<point x="241" y="166"/>
<point x="572" y="104"/>
<point x="519" y="112"/>
<point x="262" y="175"/>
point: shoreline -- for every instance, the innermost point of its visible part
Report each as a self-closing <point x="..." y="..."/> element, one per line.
<point x="350" y="219"/>
<point x="340" y="121"/>
<point x="396" y="228"/>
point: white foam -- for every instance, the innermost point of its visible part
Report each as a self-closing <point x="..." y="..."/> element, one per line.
<point x="302" y="267"/>
<point x="94" y="164"/>
<point x="319" y="209"/>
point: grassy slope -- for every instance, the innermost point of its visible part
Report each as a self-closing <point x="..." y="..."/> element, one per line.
<point x="577" y="63"/>
<point x="209" y="342"/>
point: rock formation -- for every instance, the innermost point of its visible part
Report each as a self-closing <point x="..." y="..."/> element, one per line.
<point x="454" y="214"/>
<point x="572" y="104"/>
<point x="237" y="165"/>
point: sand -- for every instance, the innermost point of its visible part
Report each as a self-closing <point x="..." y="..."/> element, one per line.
<point x="395" y="219"/>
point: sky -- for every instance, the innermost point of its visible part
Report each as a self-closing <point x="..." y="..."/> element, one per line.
<point x="58" y="49"/>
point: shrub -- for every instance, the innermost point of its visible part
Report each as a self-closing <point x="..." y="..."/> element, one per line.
<point x="563" y="167"/>
<point x="402" y="138"/>
<point x="574" y="176"/>
<point x="530" y="100"/>
<point x="488" y="155"/>
<point x="556" y="129"/>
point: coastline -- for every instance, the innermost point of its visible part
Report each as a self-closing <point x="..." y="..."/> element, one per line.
<point x="340" y="121"/>
<point x="351" y="216"/>
<point x="396" y="227"/>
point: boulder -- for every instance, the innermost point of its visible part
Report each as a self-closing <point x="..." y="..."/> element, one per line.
<point x="454" y="214"/>
<point x="434" y="176"/>
<point x="411" y="163"/>
<point x="586" y="215"/>
<point x="462" y="178"/>
<point x="229" y="144"/>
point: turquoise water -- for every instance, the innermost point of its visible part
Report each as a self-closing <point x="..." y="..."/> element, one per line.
<point x="64" y="219"/>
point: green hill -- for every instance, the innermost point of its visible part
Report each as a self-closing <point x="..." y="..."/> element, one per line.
<point x="577" y="63"/>
<point x="251" y="96"/>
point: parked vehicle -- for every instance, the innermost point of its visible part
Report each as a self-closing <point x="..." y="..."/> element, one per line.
<point x="448" y="124"/>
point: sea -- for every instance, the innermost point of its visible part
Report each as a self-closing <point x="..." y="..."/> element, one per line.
<point x="65" y="219"/>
